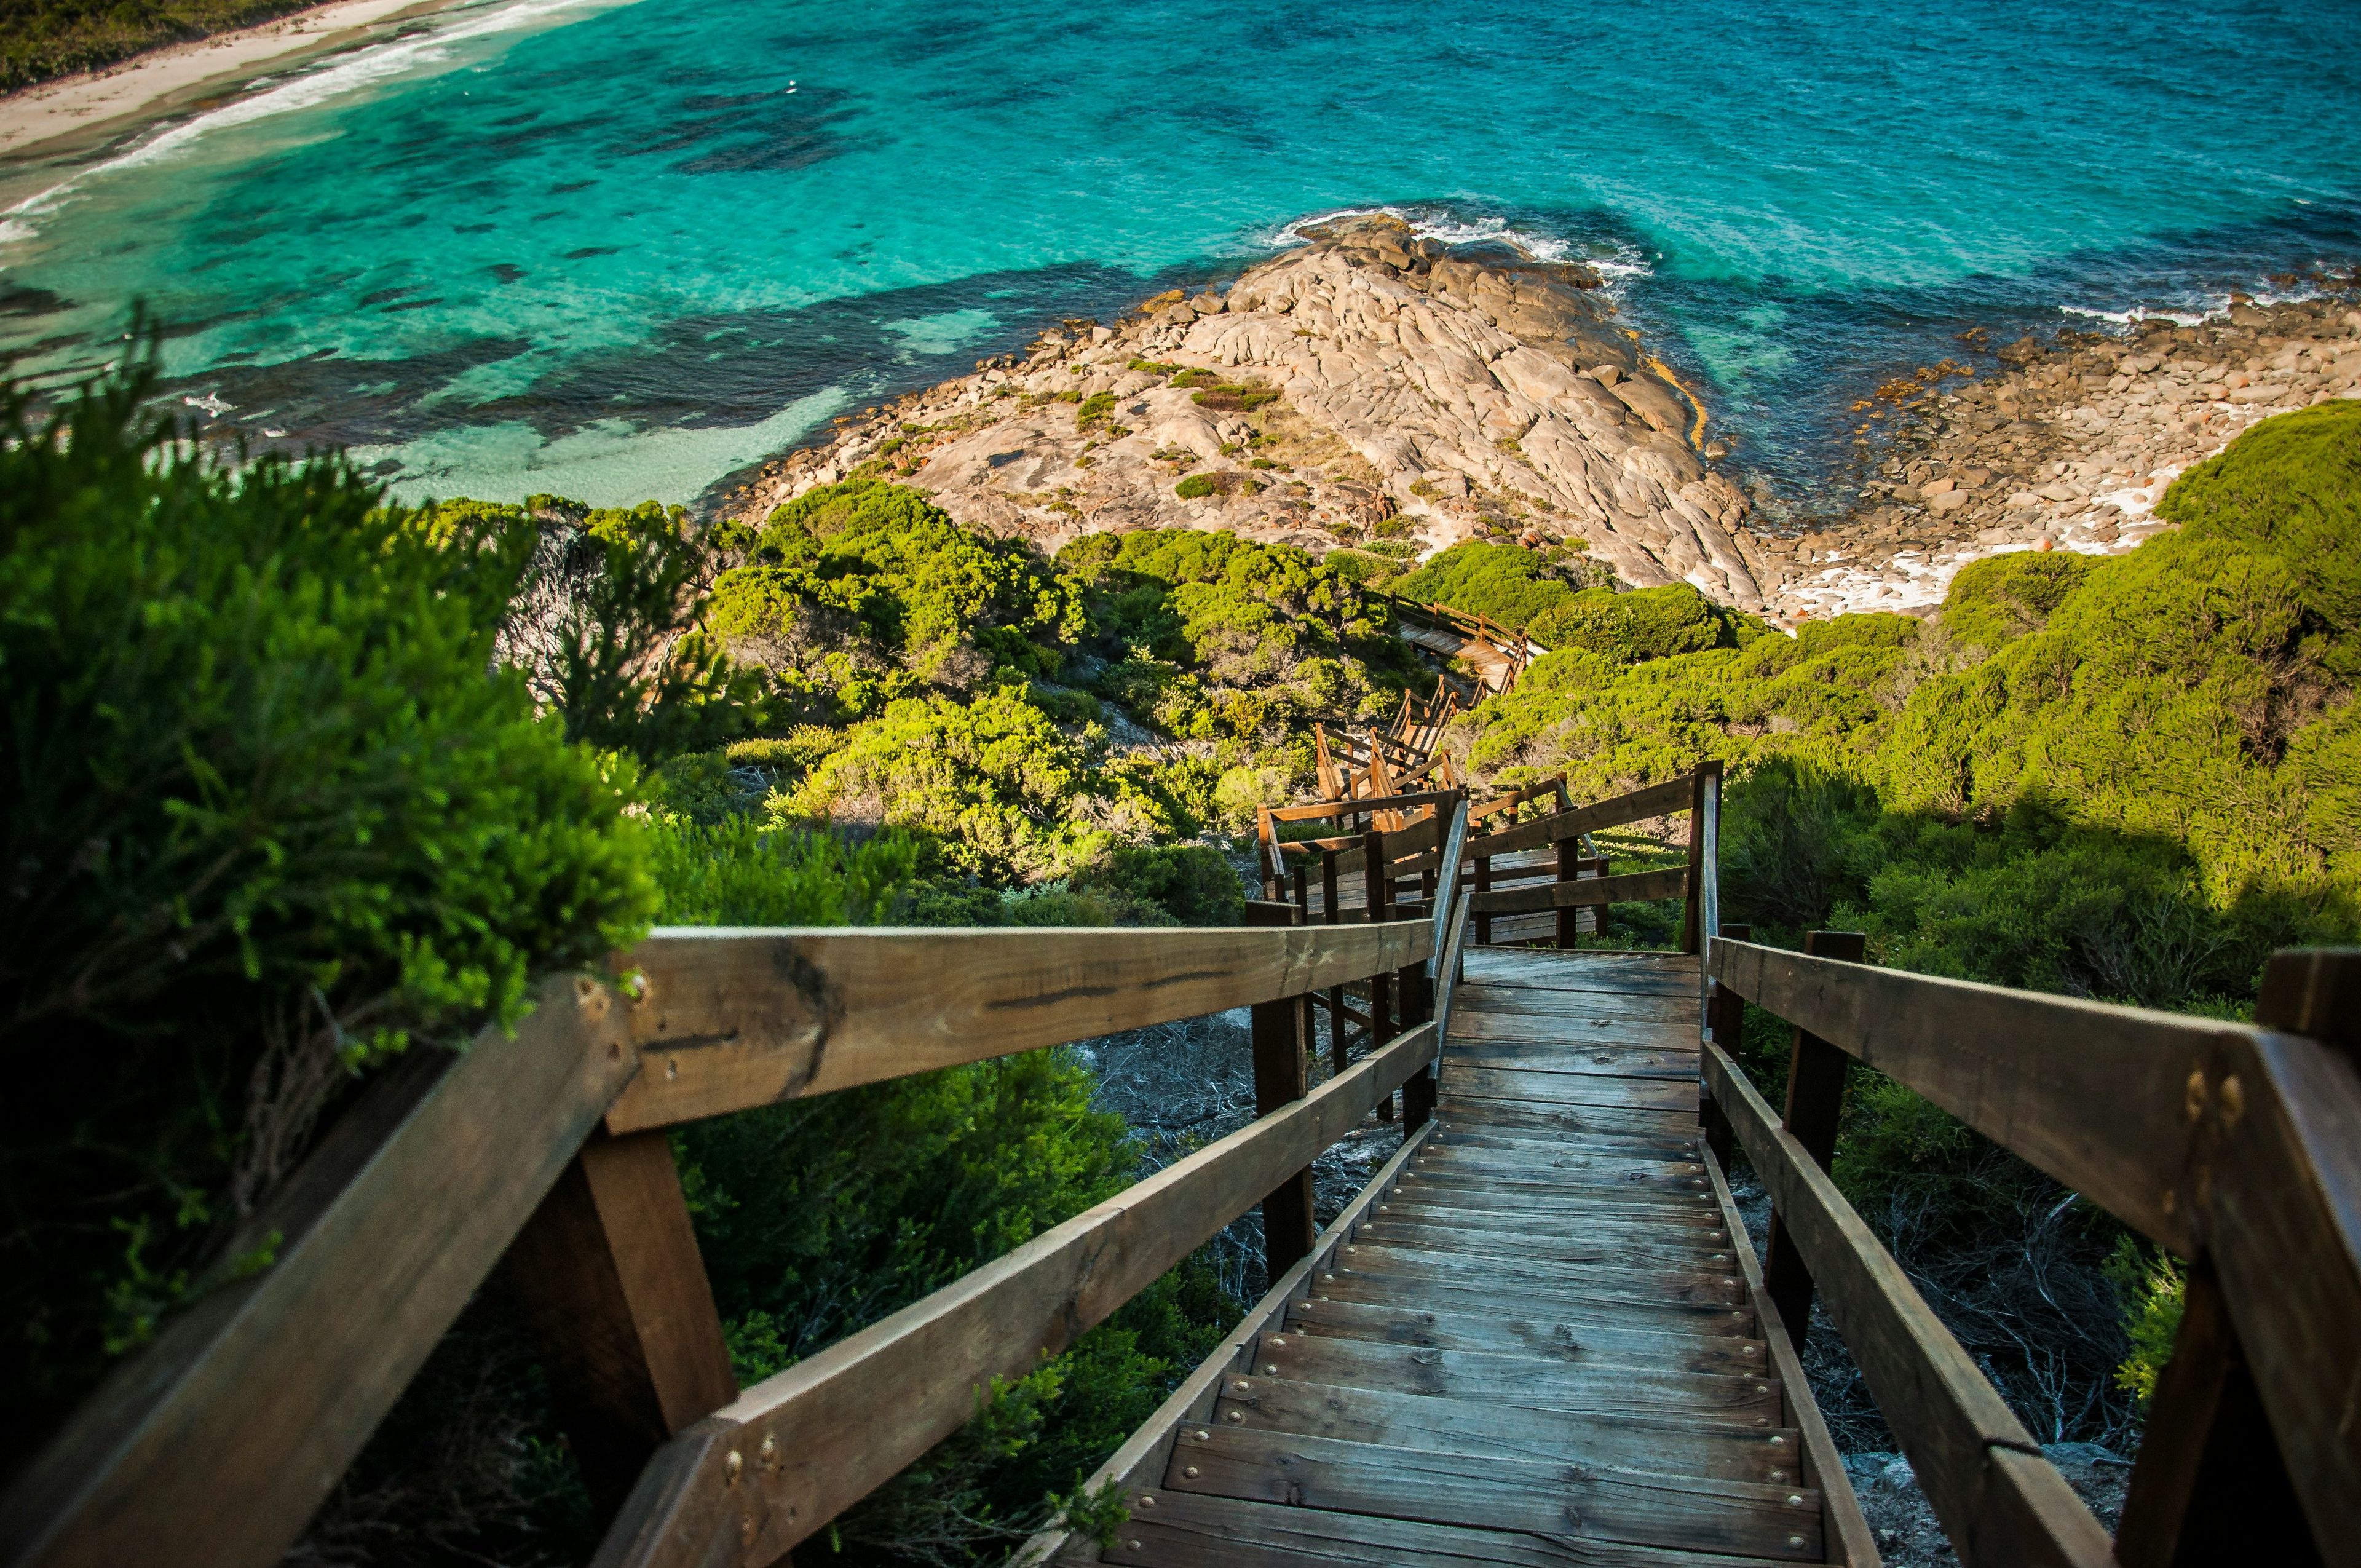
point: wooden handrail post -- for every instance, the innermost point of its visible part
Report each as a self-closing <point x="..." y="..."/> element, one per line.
<point x="1376" y="877"/>
<point x="1593" y="866"/>
<point x="1692" y="929"/>
<point x="1484" y="884"/>
<point x="2211" y="1482"/>
<point x="1569" y="867"/>
<point x="1282" y="1041"/>
<point x="1332" y="916"/>
<point x="609" y="1280"/>
<point x="1724" y="1020"/>
<point x="1816" y="1086"/>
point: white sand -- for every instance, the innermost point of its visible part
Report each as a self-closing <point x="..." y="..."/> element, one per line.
<point x="84" y="108"/>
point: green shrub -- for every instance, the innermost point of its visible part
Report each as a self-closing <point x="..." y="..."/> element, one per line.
<point x="271" y="824"/>
<point x="1196" y="486"/>
<point x="1095" y="410"/>
<point x="1196" y="379"/>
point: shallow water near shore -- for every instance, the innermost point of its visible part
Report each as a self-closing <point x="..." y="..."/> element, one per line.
<point x="613" y="251"/>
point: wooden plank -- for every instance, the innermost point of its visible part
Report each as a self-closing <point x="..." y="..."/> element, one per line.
<point x="1541" y="1338"/>
<point x="1674" y="1001"/>
<point x="1186" y="1531"/>
<point x="1688" y="1286"/>
<point x="1557" y="1499"/>
<point x="1281" y="1036"/>
<point x="1631" y="887"/>
<point x="2283" y="1225"/>
<point x="844" y="1419"/>
<point x="1658" y="1145"/>
<point x="1816" y="1088"/>
<point x="387" y="1230"/>
<point x="1576" y="1169"/>
<point x="1570" y="1088"/>
<point x="2094" y="1095"/>
<point x="1454" y="1210"/>
<point x="1328" y="810"/>
<point x="1143" y="1458"/>
<point x="1949" y="1419"/>
<point x="1667" y="1446"/>
<point x="1659" y="1317"/>
<point x="609" y="1280"/>
<point x="1656" y="800"/>
<point x="1672" y="1029"/>
<point x="732" y="1018"/>
<point x="1506" y="1195"/>
<point x="1567" y="1121"/>
<point x="1494" y="1377"/>
<point x="1841" y="1524"/>
<point x="1642" y="1247"/>
<point x="1622" y="1062"/>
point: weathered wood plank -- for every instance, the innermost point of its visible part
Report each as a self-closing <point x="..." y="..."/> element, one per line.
<point x="1572" y="1226"/>
<point x="733" y="1018"/>
<point x="1815" y="1089"/>
<point x="1503" y="1002"/>
<point x="1577" y="1168"/>
<point x="388" y="1229"/>
<point x="906" y="1382"/>
<point x="1496" y="1376"/>
<point x="1841" y="1524"/>
<point x="2090" y="1094"/>
<point x="1523" y="1200"/>
<point x="1531" y="1032"/>
<point x="1555" y="1499"/>
<point x="1390" y="1289"/>
<point x="1630" y="887"/>
<point x="1642" y="1247"/>
<point x="1527" y="1140"/>
<point x="1686" y="1287"/>
<point x="1570" y="1088"/>
<point x="1656" y="800"/>
<point x="1186" y="1531"/>
<point x="1569" y="1121"/>
<point x="1541" y="1338"/>
<point x="608" y="1277"/>
<point x="1949" y="1419"/>
<point x="1619" y="1061"/>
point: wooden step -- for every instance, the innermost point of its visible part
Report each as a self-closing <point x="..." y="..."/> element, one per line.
<point x="1646" y="1286"/>
<point x="1571" y="1121"/>
<point x="1504" y="1378"/>
<point x="1545" y="1337"/>
<point x="1569" y="1089"/>
<point x="1669" y="1446"/>
<point x="1622" y="1247"/>
<point x="1620" y="1061"/>
<point x="1630" y="1505"/>
<point x="1388" y="1289"/>
<point x="1517" y="1208"/>
<point x="1195" y="1531"/>
<point x="1537" y="1001"/>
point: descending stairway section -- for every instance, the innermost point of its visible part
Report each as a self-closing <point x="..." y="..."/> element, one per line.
<point x="1534" y="1339"/>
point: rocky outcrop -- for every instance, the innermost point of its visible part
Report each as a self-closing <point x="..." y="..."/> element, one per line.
<point x="2067" y="447"/>
<point x="1369" y="386"/>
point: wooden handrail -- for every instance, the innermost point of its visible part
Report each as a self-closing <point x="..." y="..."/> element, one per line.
<point x="2233" y="1144"/>
<point x="400" y="1214"/>
<point x="1590" y="892"/>
<point x="1999" y="1501"/>
<point x="1656" y="800"/>
<point x="750" y="1482"/>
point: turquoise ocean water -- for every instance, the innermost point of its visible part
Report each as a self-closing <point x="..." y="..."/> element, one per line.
<point x="619" y="250"/>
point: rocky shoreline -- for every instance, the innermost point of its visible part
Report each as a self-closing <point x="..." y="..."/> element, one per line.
<point x="2069" y="446"/>
<point x="1382" y="391"/>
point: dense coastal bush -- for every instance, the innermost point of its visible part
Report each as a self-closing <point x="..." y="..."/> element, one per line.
<point x="270" y="824"/>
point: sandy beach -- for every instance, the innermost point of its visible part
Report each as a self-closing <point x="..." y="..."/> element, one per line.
<point x="75" y="110"/>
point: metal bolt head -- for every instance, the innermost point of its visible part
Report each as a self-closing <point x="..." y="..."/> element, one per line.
<point x="1190" y="1472"/>
<point x="1149" y="1502"/>
<point x="1796" y="1542"/>
<point x="1794" y="1501"/>
<point x="734" y="1466"/>
<point x="1269" y="1370"/>
<point x="1241" y="1387"/>
<point x="1132" y="1545"/>
<point x="1762" y="1388"/>
<point x="1237" y="1415"/>
<point x="1775" y="1475"/>
<point x="1750" y="1350"/>
<point x="2234" y="1101"/>
<point x="1775" y="1442"/>
<point x="770" y="1449"/>
<point x="1277" y="1344"/>
<point x="1204" y="1436"/>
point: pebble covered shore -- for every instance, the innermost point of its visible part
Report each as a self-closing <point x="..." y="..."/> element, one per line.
<point x="1379" y="390"/>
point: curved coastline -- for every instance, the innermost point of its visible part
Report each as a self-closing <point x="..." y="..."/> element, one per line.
<point x="72" y="113"/>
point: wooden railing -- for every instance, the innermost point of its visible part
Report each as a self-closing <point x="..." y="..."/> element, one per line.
<point x="216" y="1445"/>
<point x="2236" y="1147"/>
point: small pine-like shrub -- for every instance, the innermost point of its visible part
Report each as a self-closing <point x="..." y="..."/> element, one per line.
<point x="1196" y="486"/>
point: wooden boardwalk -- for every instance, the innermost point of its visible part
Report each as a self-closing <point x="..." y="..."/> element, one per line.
<point x="1540" y="1338"/>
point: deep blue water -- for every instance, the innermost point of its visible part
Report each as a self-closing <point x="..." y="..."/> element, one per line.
<point x="617" y="250"/>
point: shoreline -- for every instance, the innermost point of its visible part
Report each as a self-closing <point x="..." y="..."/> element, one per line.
<point x="1576" y="441"/>
<point x="71" y="114"/>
